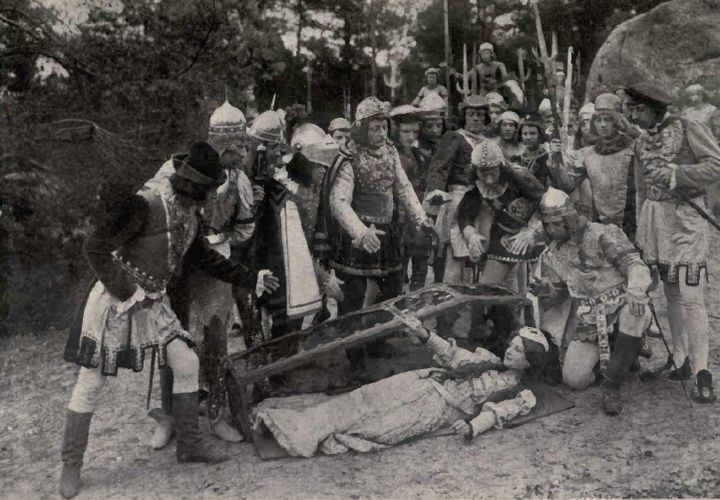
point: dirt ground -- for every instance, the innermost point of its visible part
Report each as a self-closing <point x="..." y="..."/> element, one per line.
<point x="658" y="447"/>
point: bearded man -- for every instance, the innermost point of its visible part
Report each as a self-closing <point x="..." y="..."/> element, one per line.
<point x="596" y="266"/>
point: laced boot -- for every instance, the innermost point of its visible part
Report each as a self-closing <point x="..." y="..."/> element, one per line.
<point x="625" y="352"/>
<point x="192" y="446"/>
<point x="165" y="425"/>
<point x="75" y="439"/>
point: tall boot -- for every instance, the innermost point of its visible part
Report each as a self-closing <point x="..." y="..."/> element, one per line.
<point x="165" y="425"/>
<point x="192" y="446"/>
<point x="625" y="352"/>
<point x="75" y="439"/>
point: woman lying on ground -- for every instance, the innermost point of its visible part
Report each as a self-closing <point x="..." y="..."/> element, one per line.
<point x="471" y="393"/>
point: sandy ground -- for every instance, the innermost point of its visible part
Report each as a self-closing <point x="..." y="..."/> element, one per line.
<point x="658" y="447"/>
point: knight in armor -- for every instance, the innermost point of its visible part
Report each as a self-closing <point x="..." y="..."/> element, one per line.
<point x="600" y="270"/>
<point x="675" y="161"/>
<point x="127" y="314"/>
<point x="607" y="165"/>
<point x="205" y="305"/>
<point x="451" y="174"/>
<point x="416" y="242"/>
<point x="431" y="76"/>
<point x="362" y="190"/>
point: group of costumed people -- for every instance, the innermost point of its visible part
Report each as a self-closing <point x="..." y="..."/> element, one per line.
<point x="255" y="219"/>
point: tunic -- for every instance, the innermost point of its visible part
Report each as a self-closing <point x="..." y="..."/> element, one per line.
<point x="366" y="186"/>
<point x="662" y="214"/>
<point x="134" y="256"/>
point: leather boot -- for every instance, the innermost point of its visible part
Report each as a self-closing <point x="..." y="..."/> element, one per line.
<point x="165" y="425"/>
<point x="75" y="439"/>
<point x="192" y="446"/>
<point x="625" y="353"/>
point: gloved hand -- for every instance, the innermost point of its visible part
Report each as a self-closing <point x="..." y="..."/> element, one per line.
<point x="638" y="300"/>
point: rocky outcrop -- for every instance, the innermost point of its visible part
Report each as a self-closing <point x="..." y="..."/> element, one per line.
<point x="675" y="43"/>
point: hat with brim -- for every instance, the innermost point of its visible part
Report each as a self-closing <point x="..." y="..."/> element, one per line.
<point x="201" y="166"/>
<point x="648" y="93"/>
<point x="473" y="101"/>
<point x="406" y="112"/>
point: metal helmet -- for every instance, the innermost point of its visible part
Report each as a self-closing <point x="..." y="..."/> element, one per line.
<point x="556" y="206"/>
<point x="487" y="156"/>
<point x="313" y="143"/>
<point x="371" y="107"/>
<point x="269" y="126"/>
<point x="227" y="127"/>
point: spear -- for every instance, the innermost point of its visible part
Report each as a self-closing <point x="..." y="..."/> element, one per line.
<point x="568" y="93"/>
<point x="547" y="62"/>
<point x="521" y="69"/>
<point x="473" y="76"/>
<point x="465" y="90"/>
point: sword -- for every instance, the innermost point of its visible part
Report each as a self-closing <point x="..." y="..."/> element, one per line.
<point x="150" y="383"/>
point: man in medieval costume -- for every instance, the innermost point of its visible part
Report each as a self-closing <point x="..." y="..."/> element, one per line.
<point x="339" y="130"/>
<point x="607" y="165"/>
<point x="584" y="136"/>
<point x="451" y="174"/>
<point x="494" y="217"/>
<point x="280" y="243"/>
<point x="431" y="76"/>
<point x="488" y="72"/>
<point x="417" y="243"/>
<point x="205" y="305"/>
<point x="699" y="109"/>
<point x="508" y="124"/>
<point x="127" y="315"/>
<point x="675" y="161"/>
<point x="360" y="227"/>
<point x="541" y="157"/>
<point x="497" y="105"/>
<point x="598" y="268"/>
<point x="432" y="128"/>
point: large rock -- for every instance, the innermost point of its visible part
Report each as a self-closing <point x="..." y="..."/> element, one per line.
<point x="675" y="43"/>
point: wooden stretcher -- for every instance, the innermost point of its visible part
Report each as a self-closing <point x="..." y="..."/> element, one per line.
<point x="354" y="330"/>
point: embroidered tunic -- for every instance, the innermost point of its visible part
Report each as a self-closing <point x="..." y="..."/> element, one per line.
<point x="670" y="232"/>
<point x="366" y="187"/>
<point x="134" y="257"/>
